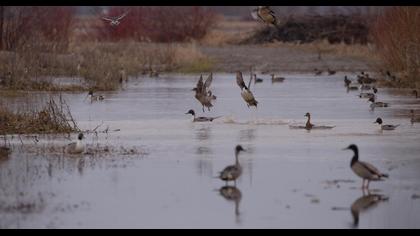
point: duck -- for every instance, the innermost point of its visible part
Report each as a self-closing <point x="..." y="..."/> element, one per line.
<point x="76" y="147"/>
<point x="317" y="72"/>
<point x="413" y="118"/>
<point x="415" y="93"/>
<point x="115" y="21"/>
<point x="364" y="78"/>
<point x="265" y="14"/>
<point x="201" y="118"/>
<point x="385" y="127"/>
<point x="308" y="124"/>
<point x="347" y="81"/>
<point x="201" y="93"/>
<point x="257" y="80"/>
<point x="369" y="95"/>
<point x="276" y="79"/>
<point x="95" y="97"/>
<point x="232" y="172"/>
<point x="364" y="170"/>
<point x="377" y="104"/>
<point x="245" y="91"/>
<point x="331" y="72"/>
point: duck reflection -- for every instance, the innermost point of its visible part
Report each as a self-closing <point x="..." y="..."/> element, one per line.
<point x="232" y="193"/>
<point x="247" y="135"/>
<point x="203" y="133"/>
<point x="364" y="203"/>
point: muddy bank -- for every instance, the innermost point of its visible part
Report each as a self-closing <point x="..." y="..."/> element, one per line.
<point x="280" y="59"/>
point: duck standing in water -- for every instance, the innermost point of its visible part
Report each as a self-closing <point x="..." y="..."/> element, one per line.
<point x="308" y="124"/>
<point x="245" y="91"/>
<point x="201" y="118"/>
<point x="385" y="127"/>
<point x="276" y="79"/>
<point x="76" y="147"/>
<point x="364" y="170"/>
<point x="232" y="172"/>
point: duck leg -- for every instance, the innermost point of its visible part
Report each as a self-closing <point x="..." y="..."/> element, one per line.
<point x="367" y="186"/>
<point x="363" y="184"/>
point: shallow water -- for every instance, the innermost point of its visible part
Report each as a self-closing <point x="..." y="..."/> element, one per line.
<point x="292" y="178"/>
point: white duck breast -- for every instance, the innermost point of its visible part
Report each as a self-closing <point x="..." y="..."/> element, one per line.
<point x="75" y="148"/>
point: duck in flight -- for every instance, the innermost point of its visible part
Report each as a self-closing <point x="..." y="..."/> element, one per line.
<point x="265" y="14"/>
<point x="115" y="21"/>
<point x="203" y="93"/>
<point x="245" y="91"/>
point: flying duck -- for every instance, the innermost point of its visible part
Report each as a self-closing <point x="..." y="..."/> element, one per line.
<point x="364" y="170"/>
<point x="276" y="79"/>
<point x="115" y="21"/>
<point x="201" y="93"/>
<point x="385" y="127"/>
<point x="76" y="147"/>
<point x="232" y="172"/>
<point x="265" y="14"/>
<point x="246" y="92"/>
<point x="201" y="118"/>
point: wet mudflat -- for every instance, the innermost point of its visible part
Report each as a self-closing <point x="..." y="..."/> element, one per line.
<point x="159" y="170"/>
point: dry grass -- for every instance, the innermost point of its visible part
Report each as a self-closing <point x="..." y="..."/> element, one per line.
<point x="54" y="117"/>
<point x="99" y="64"/>
<point x="325" y="48"/>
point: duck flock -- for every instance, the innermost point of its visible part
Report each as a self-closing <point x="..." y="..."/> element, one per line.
<point x="204" y="95"/>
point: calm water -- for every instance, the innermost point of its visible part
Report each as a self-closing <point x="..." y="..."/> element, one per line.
<point x="292" y="178"/>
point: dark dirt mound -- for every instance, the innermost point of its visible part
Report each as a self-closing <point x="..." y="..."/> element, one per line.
<point x="350" y="29"/>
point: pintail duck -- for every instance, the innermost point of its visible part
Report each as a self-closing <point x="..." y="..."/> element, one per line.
<point x="201" y="118"/>
<point x="246" y="92"/>
<point x="317" y="72"/>
<point x="115" y="21"/>
<point x="232" y="172"/>
<point x="76" y="147"/>
<point x="414" y="119"/>
<point x="374" y="103"/>
<point x="347" y="82"/>
<point x="276" y="79"/>
<point x="257" y="80"/>
<point x="364" y="170"/>
<point x="265" y="14"/>
<point x="369" y="95"/>
<point x="201" y="94"/>
<point x="415" y="93"/>
<point x="94" y="97"/>
<point x="331" y="72"/>
<point x="385" y="127"/>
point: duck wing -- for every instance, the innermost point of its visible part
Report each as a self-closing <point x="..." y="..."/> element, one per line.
<point x="106" y="18"/>
<point x="254" y="14"/>
<point x="240" y="80"/>
<point x="200" y="84"/>
<point x="208" y="82"/>
<point x="250" y="80"/>
<point x="122" y="16"/>
<point x="372" y="169"/>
